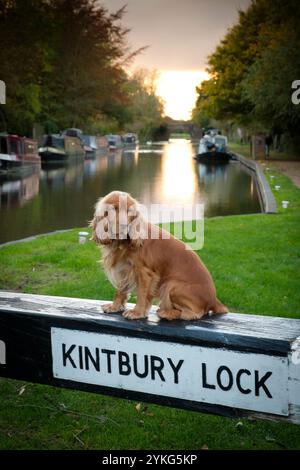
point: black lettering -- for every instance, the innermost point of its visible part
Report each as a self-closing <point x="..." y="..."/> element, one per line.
<point x="109" y="353"/>
<point x="88" y="357"/>
<point x="204" y="378"/>
<point x="175" y="368"/>
<point x="67" y="355"/>
<point x="143" y="374"/>
<point x="260" y="383"/>
<point x="238" y="381"/>
<point x="157" y="367"/>
<point x="80" y="357"/>
<point x="124" y="366"/>
<point x="230" y="378"/>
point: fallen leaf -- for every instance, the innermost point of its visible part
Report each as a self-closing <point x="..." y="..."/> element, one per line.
<point x="204" y="447"/>
<point x="22" y="390"/>
<point x="138" y="407"/>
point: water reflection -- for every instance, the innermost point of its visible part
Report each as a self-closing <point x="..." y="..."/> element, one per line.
<point x="178" y="180"/>
<point x="227" y="189"/>
<point x="64" y="196"/>
<point x="15" y="192"/>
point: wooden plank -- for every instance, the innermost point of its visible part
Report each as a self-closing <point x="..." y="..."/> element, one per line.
<point x="237" y="331"/>
<point x="234" y="365"/>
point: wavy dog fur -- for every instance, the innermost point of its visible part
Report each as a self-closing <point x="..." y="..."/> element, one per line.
<point x="156" y="266"/>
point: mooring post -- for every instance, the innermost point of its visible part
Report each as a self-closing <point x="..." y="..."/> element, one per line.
<point x="232" y="365"/>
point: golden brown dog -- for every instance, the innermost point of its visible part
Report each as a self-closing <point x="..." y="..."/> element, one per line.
<point x="140" y="256"/>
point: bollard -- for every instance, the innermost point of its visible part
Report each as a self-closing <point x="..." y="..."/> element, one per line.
<point x="82" y="237"/>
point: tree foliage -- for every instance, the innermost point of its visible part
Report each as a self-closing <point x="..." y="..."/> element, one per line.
<point x="141" y="89"/>
<point x="252" y="69"/>
<point x="63" y="62"/>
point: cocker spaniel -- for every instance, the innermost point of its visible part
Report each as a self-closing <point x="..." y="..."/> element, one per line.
<point x="139" y="256"/>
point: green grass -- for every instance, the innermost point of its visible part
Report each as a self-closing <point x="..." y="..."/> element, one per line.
<point x="254" y="260"/>
<point x="244" y="149"/>
<point x="180" y="135"/>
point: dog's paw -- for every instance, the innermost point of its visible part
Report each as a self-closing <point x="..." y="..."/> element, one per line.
<point x="133" y="314"/>
<point x="169" y="314"/>
<point x="112" y="308"/>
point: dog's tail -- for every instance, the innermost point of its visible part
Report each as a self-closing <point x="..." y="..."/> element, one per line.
<point x="219" y="307"/>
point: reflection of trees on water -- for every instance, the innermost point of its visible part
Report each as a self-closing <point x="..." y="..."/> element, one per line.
<point x="227" y="189"/>
<point x="57" y="176"/>
<point x="65" y="194"/>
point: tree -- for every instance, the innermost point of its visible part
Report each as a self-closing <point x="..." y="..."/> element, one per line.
<point x="63" y="63"/>
<point x="253" y="68"/>
<point x="271" y="99"/>
<point x="22" y="58"/>
<point x="146" y="108"/>
<point x="220" y="97"/>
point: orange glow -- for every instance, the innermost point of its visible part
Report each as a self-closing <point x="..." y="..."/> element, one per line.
<point x="179" y="180"/>
<point x="178" y="89"/>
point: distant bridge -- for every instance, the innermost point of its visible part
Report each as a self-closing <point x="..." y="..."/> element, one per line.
<point x="178" y="127"/>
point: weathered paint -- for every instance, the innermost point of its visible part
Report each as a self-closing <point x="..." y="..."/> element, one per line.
<point x="234" y="364"/>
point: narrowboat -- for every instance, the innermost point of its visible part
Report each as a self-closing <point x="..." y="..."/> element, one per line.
<point x="59" y="148"/>
<point x="114" y="141"/>
<point x="89" y="145"/>
<point x="213" y="149"/>
<point x="73" y="132"/>
<point x="130" y="140"/>
<point x="17" y="153"/>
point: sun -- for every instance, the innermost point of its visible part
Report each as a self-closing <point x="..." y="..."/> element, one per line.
<point x="178" y="90"/>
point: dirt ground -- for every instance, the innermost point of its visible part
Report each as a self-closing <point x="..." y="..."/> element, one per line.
<point x="290" y="169"/>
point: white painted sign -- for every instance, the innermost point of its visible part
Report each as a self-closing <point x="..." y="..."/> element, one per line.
<point x="2" y="92"/>
<point x="2" y="353"/>
<point x="240" y="380"/>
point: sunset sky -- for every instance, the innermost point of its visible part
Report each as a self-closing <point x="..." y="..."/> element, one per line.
<point x="180" y="35"/>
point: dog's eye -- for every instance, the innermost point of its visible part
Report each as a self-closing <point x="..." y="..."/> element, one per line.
<point x="105" y="213"/>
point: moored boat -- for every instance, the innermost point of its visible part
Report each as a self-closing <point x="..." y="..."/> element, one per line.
<point x="213" y="149"/>
<point x="130" y="140"/>
<point x="114" y="141"/>
<point x="89" y="145"/>
<point x="58" y="148"/>
<point x="17" y="153"/>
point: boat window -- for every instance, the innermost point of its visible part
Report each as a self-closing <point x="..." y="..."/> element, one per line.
<point x="54" y="141"/>
<point x="58" y="142"/>
<point x="3" y="145"/>
<point x="47" y="141"/>
<point x="14" y="146"/>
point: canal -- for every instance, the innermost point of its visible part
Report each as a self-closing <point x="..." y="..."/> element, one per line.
<point x="63" y="197"/>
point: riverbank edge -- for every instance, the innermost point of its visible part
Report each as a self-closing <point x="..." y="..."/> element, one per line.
<point x="34" y="237"/>
<point x="264" y="189"/>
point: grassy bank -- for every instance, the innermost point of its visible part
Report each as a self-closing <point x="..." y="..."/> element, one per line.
<point x="244" y="149"/>
<point x="255" y="263"/>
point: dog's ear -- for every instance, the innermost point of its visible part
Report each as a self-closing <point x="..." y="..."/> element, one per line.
<point x="137" y="228"/>
<point x="93" y="225"/>
<point x="100" y="231"/>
